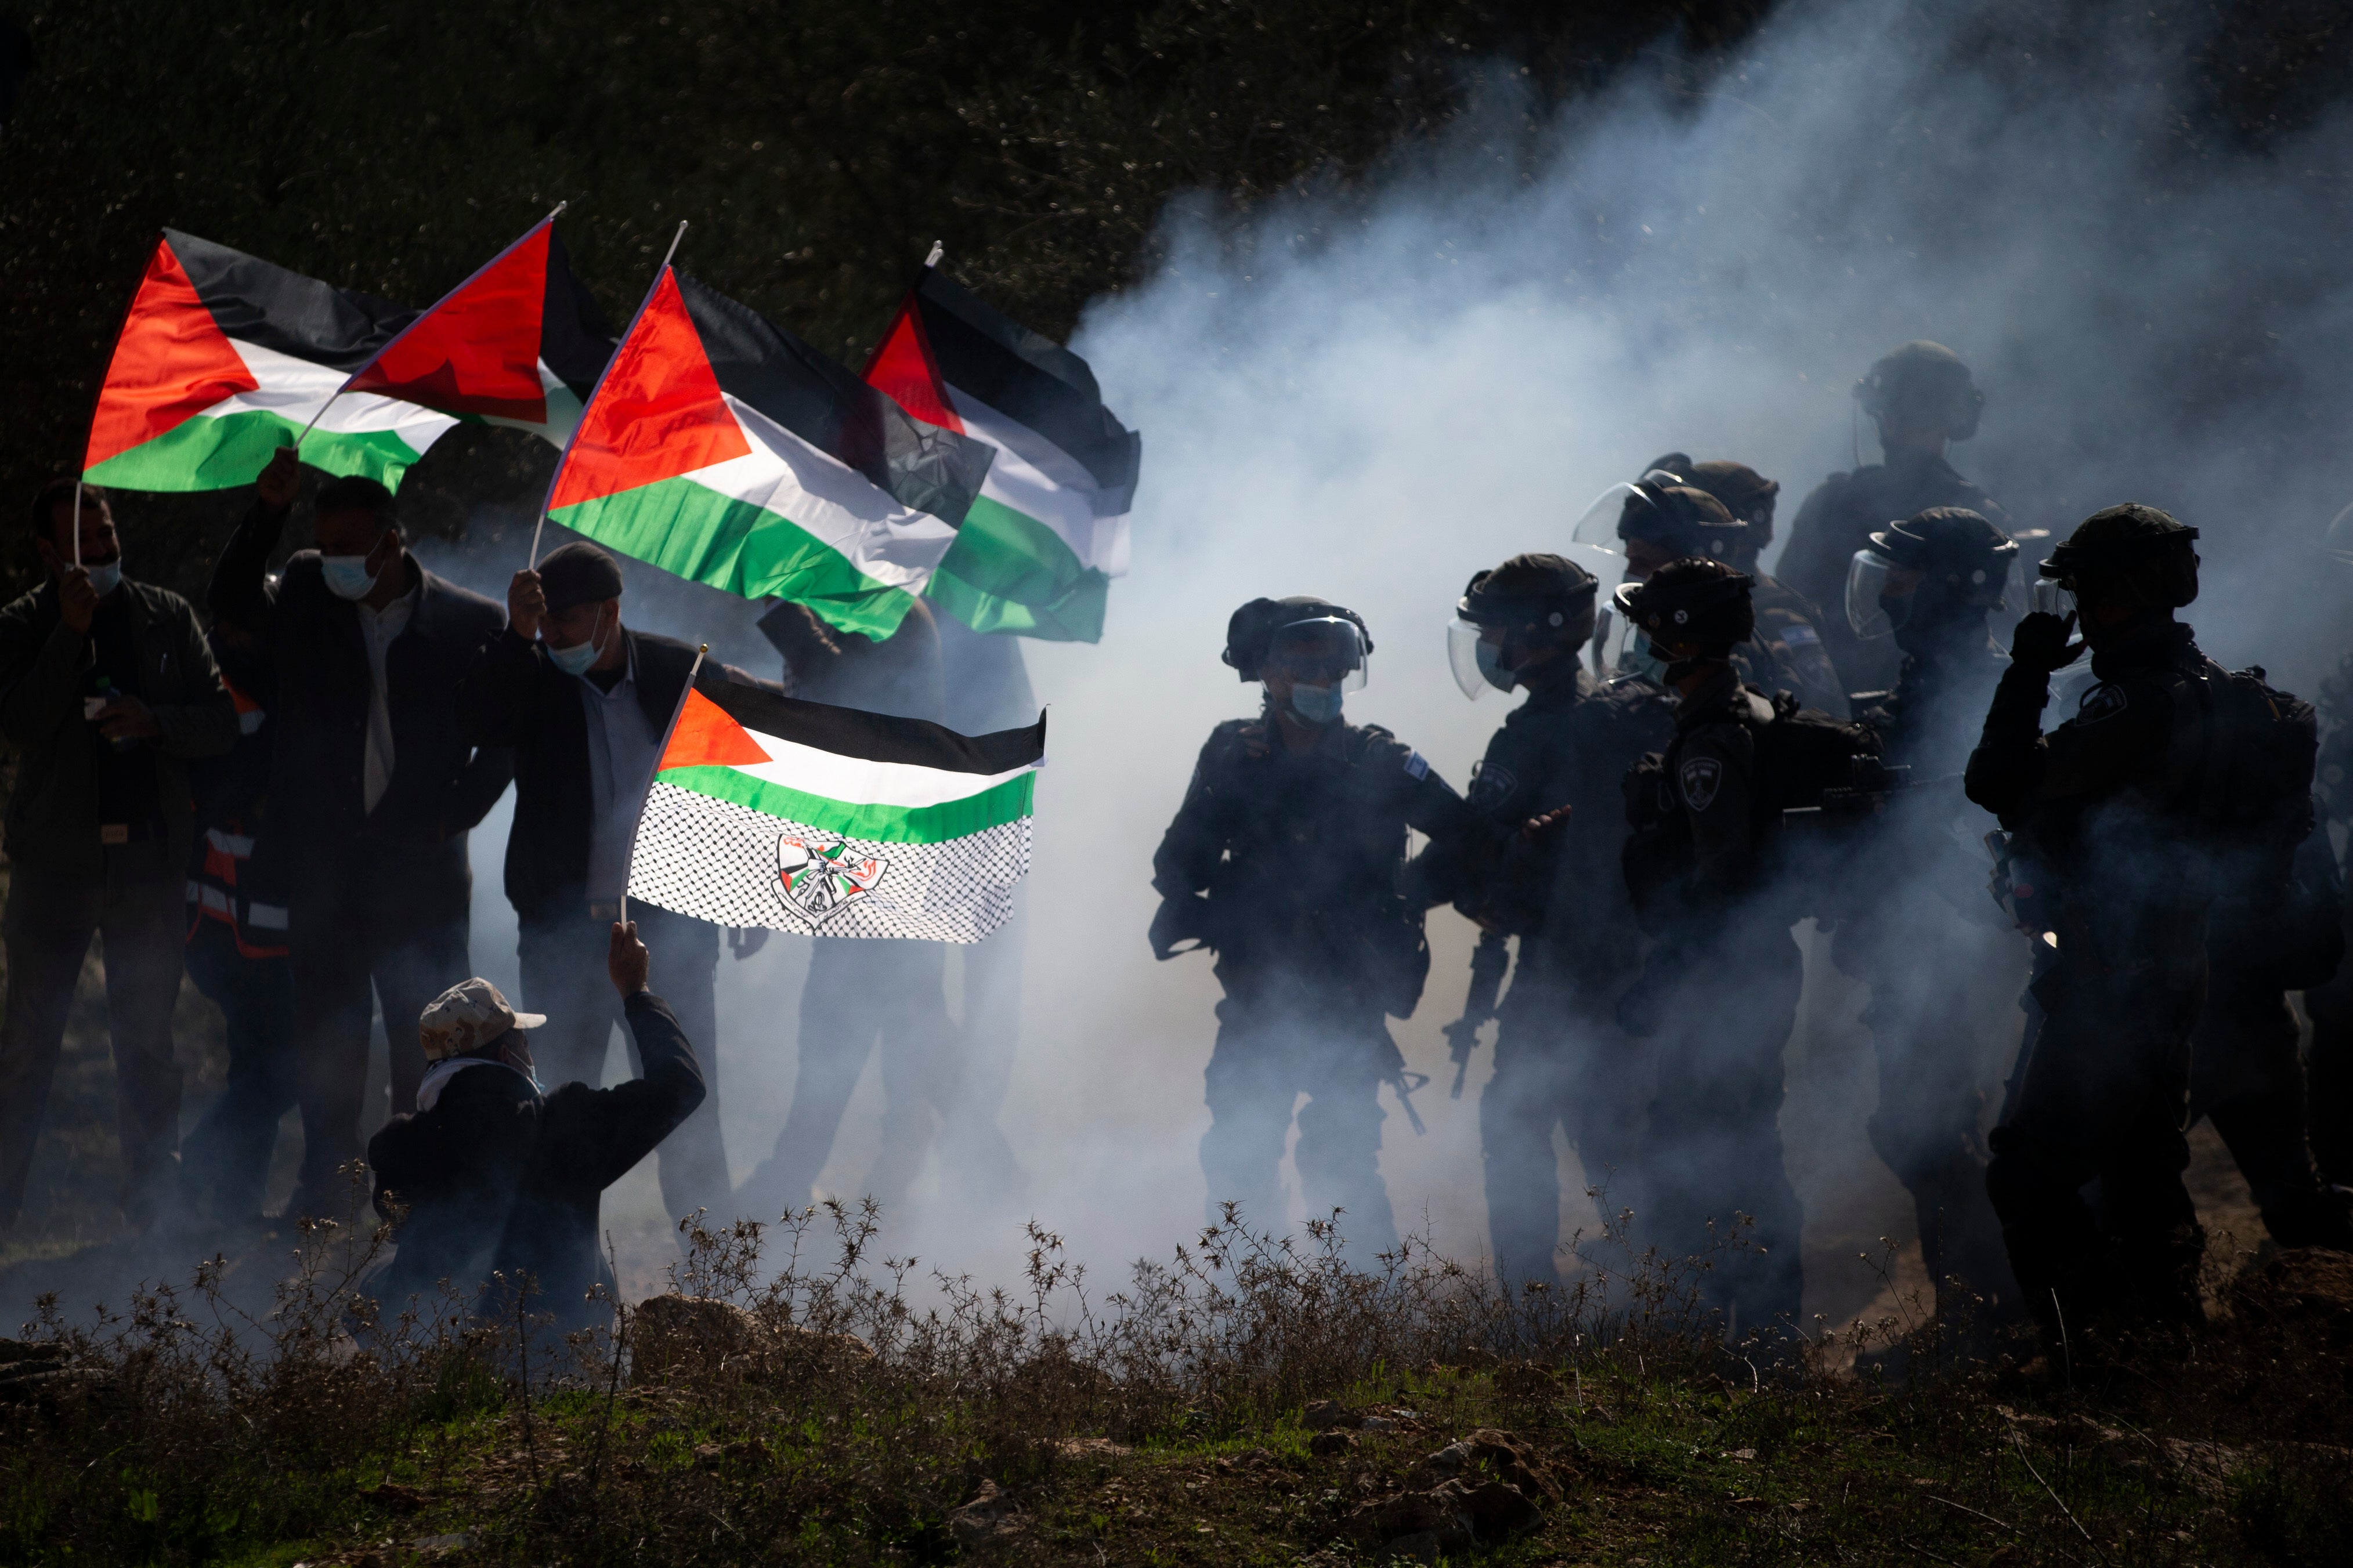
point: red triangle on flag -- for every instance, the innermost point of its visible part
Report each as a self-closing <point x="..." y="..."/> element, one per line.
<point x="656" y="415"/>
<point x="904" y="370"/>
<point x="171" y="361"/>
<point x="704" y="736"/>
<point x="477" y="351"/>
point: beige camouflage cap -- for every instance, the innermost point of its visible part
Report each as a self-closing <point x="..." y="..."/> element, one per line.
<point x="468" y="1016"/>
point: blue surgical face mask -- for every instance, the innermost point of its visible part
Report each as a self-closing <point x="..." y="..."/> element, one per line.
<point x="106" y="579"/>
<point x="1317" y="704"/>
<point x="1491" y="666"/>
<point x="348" y="576"/>
<point x="575" y="660"/>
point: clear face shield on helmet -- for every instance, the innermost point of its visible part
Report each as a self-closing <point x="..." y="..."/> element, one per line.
<point x="1473" y="653"/>
<point x="2338" y="539"/>
<point x="1634" y="656"/>
<point x="1597" y="525"/>
<point x="1878" y="593"/>
<point x="1318" y="660"/>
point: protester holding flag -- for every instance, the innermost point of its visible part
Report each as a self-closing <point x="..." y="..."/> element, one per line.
<point x="374" y="784"/>
<point x="585" y="702"/>
<point x="107" y="691"/>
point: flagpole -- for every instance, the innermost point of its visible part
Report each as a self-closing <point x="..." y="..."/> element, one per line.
<point x="370" y="362"/>
<point x="667" y="732"/>
<point x="939" y="249"/>
<point x="537" y="528"/>
<point x="76" y="520"/>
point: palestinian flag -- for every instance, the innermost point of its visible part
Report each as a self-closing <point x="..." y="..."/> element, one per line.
<point x="722" y="448"/>
<point x="521" y="342"/>
<point x="768" y="811"/>
<point x="223" y="358"/>
<point x="1038" y="549"/>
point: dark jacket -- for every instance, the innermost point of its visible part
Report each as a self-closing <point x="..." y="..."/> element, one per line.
<point x="590" y="1138"/>
<point x="441" y="785"/>
<point x="458" y="1167"/>
<point x="515" y="698"/>
<point x="1302" y="858"/>
<point x="1837" y="519"/>
<point x="52" y="818"/>
<point x="237" y="870"/>
<point x="1562" y="894"/>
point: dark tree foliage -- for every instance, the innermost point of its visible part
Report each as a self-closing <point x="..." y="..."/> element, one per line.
<point x="817" y="149"/>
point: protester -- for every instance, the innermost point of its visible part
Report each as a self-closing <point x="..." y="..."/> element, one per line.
<point x="107" y="691"/>
<point x="861" y="993"/>
<point x="588" y="1139"/>
<point x="447" y="1175"/>
<point x="237" y="948"/>
<point x="585" y="702"/>
<point x="374" y="784"/>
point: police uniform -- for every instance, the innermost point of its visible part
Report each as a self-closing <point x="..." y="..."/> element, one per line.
<point x="2329" y="1065"/>
<point x="1787" y="653"/>
<point x="2107" y="803"/>
<point x="1560" y="1060"/>
<point x="1838" y="519"/>
<point x="1943" y="987"/>
<point x="1302" y="856"/>
<point x="1730" y="976"/>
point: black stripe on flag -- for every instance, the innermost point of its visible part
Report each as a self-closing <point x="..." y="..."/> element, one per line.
<point x="877" y="737"/>
<point x="574" y="337"/>
<point x="917" y="465"/>
<point x="1024" y="377"/>
<point x="258" y="302"/>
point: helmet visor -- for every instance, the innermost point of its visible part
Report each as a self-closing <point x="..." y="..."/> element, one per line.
<point x="2049" y="598"/>
<point x="1462" y="657"/>
<point x="1324" y="651"/>
<point x="1598" y="527"/>
<point x="1636" y="658"/>
<point x="1878" y="593"/>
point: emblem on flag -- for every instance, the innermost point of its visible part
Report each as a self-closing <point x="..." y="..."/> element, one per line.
<point x="818" y="882"/>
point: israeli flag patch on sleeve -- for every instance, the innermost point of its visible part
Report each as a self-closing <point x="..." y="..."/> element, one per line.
<point x="1417" y="765"/>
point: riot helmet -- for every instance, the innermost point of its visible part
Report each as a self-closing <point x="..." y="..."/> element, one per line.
<point x="1659" y="518"/>
<point x="1921" y="384"/>
<point x="1509" y="615"/>
<point x="1308" y="651"/>
<point x="1931" y="568"/>
<point x="1695" y="607"/>
<point x="1747" y="494"/>
<point x="2133" y="555"/>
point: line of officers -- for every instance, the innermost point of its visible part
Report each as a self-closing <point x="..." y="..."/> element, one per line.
<point x="1640" y="837"/>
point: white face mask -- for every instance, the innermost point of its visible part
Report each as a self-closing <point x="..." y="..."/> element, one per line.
<point x="578" y="658"/>
<point x="106" y="579"/>
<point x="348" y="576"/>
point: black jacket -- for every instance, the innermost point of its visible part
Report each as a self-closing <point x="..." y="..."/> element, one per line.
<point x="458" y="1167"/>
<point x="514" y="696"/>
<point x="588" y="1139"/>
<point x="52" y="820"/>
<point x="441" y="785"/>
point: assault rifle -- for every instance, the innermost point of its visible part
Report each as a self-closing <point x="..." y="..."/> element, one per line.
<point x="1875" y="786"/>
<point x="1488" y="961"/>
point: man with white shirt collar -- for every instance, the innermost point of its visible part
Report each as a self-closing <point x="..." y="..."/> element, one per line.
<point x="585" y="702"/>
<point x="374" y="786"/>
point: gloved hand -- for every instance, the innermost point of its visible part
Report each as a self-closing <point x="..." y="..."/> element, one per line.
<point x="1182" y="917"/>
<point x="2040" y="642"/>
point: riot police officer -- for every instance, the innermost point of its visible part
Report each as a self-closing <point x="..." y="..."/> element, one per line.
<point x="1537" y="860"/>
<point x="2130" y="809"/>
<point x="1922" y="398"/>
<point x="1287" y="859"/>
<point x="1718" y="993"/>
<point x="1942" y="984"/>
<point x="1789" y="626"/>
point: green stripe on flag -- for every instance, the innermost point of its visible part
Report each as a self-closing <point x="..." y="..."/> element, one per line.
<point x="1007" y="572"/>
<point x="216" y="453"/>
<point x="992" y="807"/>
<point x="693" y="532"/>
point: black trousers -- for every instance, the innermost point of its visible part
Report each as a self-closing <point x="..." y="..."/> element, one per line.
<point x="2101" y="1093"/>
<point x="370" y="934"/>
<point x="136" y="910"/>
<point x="2247" y="1078"/>
<point x="564" y="976"/>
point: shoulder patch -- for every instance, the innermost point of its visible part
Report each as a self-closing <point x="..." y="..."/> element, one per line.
<point x="1417" y="765"/>
<point x="1492" y="785"/>
<point x="1699" y="779"/>
<point x="2104" y="700"/>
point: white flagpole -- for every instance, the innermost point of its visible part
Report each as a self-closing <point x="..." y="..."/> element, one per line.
<point x="939" y="249"/>
<point x="696" y="670"/>
<point x="537" y="528"/>
<point x="76" y="520"/>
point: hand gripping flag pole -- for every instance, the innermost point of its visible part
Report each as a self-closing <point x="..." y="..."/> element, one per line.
<point x="537" y="528"/>
<point x="659" y="752"/>
<point x="361" y="369"/>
